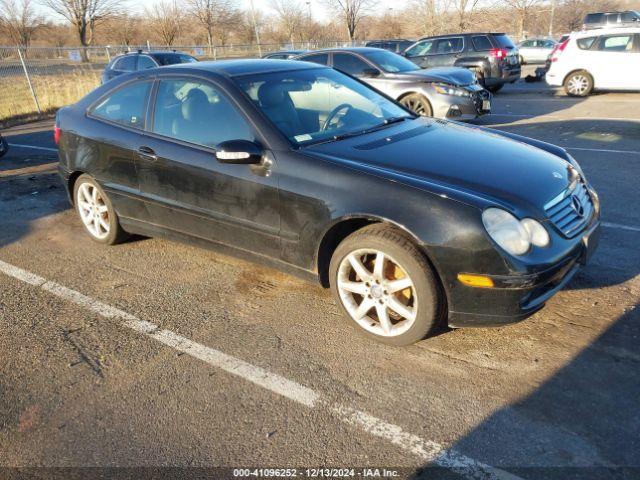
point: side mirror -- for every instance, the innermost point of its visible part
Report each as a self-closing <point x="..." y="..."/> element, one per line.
<point x="239" y="151"/>
<point x="371" y="72"/>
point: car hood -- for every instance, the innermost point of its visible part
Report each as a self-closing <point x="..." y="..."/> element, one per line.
<point x="449" y="158"/>
<point x="451" y="75"/>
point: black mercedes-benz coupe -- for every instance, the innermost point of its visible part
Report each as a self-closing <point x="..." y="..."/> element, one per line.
<point x="411" y="221"/>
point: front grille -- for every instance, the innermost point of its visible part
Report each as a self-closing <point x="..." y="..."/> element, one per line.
<point x="571" y="210"/>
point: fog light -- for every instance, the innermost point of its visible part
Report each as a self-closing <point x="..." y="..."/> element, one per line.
<point x="479" y="281"/>
<point x="454" y="111"/>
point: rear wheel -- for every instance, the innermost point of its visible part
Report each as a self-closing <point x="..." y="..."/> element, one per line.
<point x="385" y="285"/>
<point x="578" y="84"/>
<point x="96" y="211"/>
<point x="418" y="104"/>
<point x="495" y="88"/>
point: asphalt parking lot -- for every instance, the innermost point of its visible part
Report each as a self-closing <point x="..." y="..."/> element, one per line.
<point x="153" y="353"/>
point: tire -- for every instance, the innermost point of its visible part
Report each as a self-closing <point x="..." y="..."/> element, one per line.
<point x="417" y="103"/>
<point x="419" y="305"/>
<point x="578" y="84"/>
<point x="96" y="211"/>
<point x="4" y="148"/>
<point x="522" y="62"/>
<point x="495" y="88"/>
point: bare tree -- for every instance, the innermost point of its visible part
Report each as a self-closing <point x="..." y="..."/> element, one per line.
<point x="166" y="19"/>
<point x="124" y="29"/>
<point x="217" y="17"/>
<point x="463" y="9"/>
<point x="352" y="11"/>
<point x="84" y="15"/>
<point x="431" y="15"/>
<point x="19" y="21"/>
<point x="291" y="16"/>
<point x="523" y="9"/>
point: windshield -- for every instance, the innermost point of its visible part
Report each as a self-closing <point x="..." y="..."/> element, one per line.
<point x="315" y="105"/>
<point x="173" y="58"/>
<point x="390" y="62"/>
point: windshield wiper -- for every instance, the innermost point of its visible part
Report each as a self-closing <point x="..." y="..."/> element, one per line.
<point x="342" y="136"/>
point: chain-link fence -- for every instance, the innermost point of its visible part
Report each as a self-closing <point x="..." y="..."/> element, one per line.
<point x="39" y="80"/>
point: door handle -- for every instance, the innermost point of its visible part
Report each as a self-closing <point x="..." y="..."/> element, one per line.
<point x="147" y="153"/>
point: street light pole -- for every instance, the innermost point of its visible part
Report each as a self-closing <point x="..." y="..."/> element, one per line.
<point x="553" y="11"/>
<point x="255" y="28"/>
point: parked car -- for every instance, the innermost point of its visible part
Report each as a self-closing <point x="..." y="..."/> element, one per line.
<point x="563" y="38"/>
<point x="4" y="147"/>
<point x="447" y="92"/>
<point x="535" y="50"/>
<point x="492" y="56"/>
<point x="141" y="60"/>
<point x="283" y="54"/>
<point x="411" y="221"/>
<point x="605" y="59"/>
<point x="629" y="18"/>
<point x="397" y="45"/>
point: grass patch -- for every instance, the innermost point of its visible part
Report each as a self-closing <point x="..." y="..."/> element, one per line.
<point x="53" y="92"/>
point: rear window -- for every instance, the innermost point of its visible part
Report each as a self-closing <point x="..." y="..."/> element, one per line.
<point x="585" y="43"/>
<point x="504" y="41"/>
<point x="481" y="42"/>
<point x="594" y="18"/>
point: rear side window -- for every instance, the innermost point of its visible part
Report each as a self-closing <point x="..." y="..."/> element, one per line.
<point x="481" y="43"/>
<point x="126" y="64"/>
<point x="616" y="43"/>
<point x="449" y="45"/>
<point x="585" y="43"/>
<point x="504" y="41"/>
<point x="321" y="58"/>
<point x="125" y="106"/>
<point x="612" y="18"/>
<point x="349" y="64"/>
<point x="630" y="17"/>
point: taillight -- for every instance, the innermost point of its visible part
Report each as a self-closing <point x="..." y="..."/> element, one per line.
<point x="557" y="50"/>
<point x="498" y="52"/>
<point x="56" y="134"/>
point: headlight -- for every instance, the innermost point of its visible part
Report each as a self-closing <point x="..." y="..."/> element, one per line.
<point x="513" y="235"/>
<point x="446" y="89"/>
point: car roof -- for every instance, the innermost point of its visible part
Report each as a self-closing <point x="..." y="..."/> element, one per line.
<point x="462" y="34"/>
<point x="231" y="68"/>
<point x="605" y="31"/>
<point x="350" y="49"/>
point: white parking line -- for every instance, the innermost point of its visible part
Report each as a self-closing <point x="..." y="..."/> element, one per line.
<point x="605" y="150"/>
<point x="427" y="450"/>
<point x="620" y="226"/>
<point x="47" y="149"/>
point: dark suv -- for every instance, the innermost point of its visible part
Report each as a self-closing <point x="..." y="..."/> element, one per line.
<point x="630" y="18"/>
<point x="140" y="60"/>
<point x="492" y="56"/>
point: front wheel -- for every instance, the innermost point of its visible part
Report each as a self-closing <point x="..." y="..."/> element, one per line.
<point x="578" y="84"/>
<point x="385" y="285"/>
<point x="418" y="104"/>
<point x="96" y="211"/>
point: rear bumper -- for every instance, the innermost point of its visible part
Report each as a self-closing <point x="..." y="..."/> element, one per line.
<point x="504" y="75"/>
<point x="516" y="297"/>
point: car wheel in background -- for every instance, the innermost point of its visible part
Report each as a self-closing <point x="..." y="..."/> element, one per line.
<point x="578" y="84"/>
<point x="418" y="104"/>
<point x="386" y="286"/>
<point x="495" y="88"/>
<point x="4" y="148"/>
<point x="522" y="62"/>
<point x="96" y="211"/>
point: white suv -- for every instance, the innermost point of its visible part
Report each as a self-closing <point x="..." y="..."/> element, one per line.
<point x="604" y="59"/>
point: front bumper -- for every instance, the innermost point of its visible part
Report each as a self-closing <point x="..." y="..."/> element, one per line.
<point x="516" y="297"/>
<point x="467" y="108"/>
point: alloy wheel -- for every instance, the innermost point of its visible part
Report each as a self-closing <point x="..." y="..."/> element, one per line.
<point x="578" y="84"/>
<point x="93" y="210"/>
<point x="377" y="292"/>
